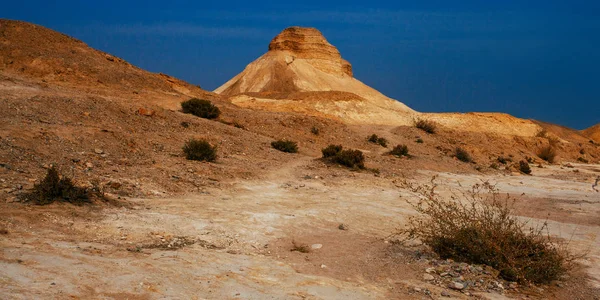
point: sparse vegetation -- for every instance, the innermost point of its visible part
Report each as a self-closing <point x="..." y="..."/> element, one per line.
<point x="583" y="160"/>
<point x="285" y="146"/>
<point x="419" y="141"/>
<point x="55" y="187"/>
<point x="524" y="167"/>
<point x="302" y="248"/>
<point x="503" y="160"/>
<point x="199" y="150"/>
<point x="331" y="151"/>
<point x="200" y="108"/>
<point x="542" y="133"/>
<point x="377" y="140"/>
<point x="481" y="229"/>
<point x="315" y="130"/>
<point x="462" y="155"/>
<point x="400" y="150"/>
<point x="426" y="125"/>
<point x="494" y="166"/>
<point x="547" y="153"/>
<point x="349" y="158"/>
<point x="185" y="124"/>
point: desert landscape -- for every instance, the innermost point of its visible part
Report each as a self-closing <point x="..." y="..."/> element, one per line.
<point x="260" y="221"/>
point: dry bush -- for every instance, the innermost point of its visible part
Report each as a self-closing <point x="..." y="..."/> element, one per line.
<point x="524" y="167"/>
<point x="315" y="130"/>
<point x="377" y="140"/>
<point x="426" y="125"/>
<point x="55" y="187"/>
<point x="349" y="158"/>
<point x="480" y="229"/>
<point x="462" y="155"/>
<point x="200" y="108"/>
<point x="331" y="151"/>
<point x="199" y="150"/>
<point x="285" y="146"/>
<point x="400" y="150"/>
<point x="547" y="153"/>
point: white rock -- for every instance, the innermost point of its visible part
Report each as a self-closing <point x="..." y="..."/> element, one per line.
<point x="316" y="246"/>
<point x="428" y="277"/>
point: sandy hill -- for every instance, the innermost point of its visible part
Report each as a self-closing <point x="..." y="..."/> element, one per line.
<point x="302" y="72"/>
<point x="34" y="51"/>
<point x="593" y="132"/>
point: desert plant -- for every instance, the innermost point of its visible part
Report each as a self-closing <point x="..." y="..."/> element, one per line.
<point x="185" y="124"/>
<point x="524" y="167"/>
<point x="285" y="146"/>
<point x="200" y="108"/>
<point x="331" y="151"/>
<point x="419" y="141"/>
<point x="199" y="150"/>
<point x="583" y="160"/>
<point x="494" y="166"/>
<point x="479" y="228"/>
<point x="377" y="140"/>
<point x="503" y="160"/>
<point x="55" y="187"/>
<point x="400" y="150"/>
<point x="462" y="155"/>
<point x="350" y="158"/>
<point x="547" y="153"/>
<point x="426" y="125"/>
<point x="315" y="130"/>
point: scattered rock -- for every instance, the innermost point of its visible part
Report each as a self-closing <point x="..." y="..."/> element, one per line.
<point x="343" y="227"/>
<point x="89" y="165"/>
<point x="98" y="151"/>
<point x="428" y="277"/>
<point x="146" y="112"/>
<point x="456" y="285"/>
<point x="316" y="246"/>
<point x="445" y="294"/>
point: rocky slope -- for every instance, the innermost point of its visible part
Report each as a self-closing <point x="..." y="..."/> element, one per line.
<point x="593" y="132"/>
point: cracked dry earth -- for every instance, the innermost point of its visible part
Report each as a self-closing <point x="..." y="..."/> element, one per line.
<point x="234" y="242"/>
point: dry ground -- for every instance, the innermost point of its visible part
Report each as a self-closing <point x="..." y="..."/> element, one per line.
<point x="234" y="241"/>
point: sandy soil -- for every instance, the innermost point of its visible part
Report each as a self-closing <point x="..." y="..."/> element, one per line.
<point x="234" y="242"/>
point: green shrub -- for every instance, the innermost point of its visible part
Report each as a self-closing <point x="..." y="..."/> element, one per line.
<point x="199" y="150"/>
<point x="524" y="167"/>
<point x="427" y="126"/>
<point x="583" y="160"/>
<point x="400" y="150"/>
<point x="547" y="153"/>
<point x="285" y="146"/>
<point x="55" y="187"/>
<point x="331" y="151"/>
<point x="480" y="229"/>
<point x="419" y="141"/>
<point x="503" y="160"/>
<point x="200" y="108"/>
<point x="462" y="155"/>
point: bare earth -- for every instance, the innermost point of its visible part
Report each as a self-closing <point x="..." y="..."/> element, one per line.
<point x="242" y="236"/>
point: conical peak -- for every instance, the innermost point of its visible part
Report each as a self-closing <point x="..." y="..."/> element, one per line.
<point x="309" y="43"/>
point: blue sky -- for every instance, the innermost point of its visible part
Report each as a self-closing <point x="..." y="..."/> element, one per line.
<point x="532" y="59"/>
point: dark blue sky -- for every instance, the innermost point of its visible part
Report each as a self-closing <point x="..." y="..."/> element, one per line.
<point x="532" y="59"/>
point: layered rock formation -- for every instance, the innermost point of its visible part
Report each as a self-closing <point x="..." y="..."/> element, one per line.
<point x="299" y="61"/>
<point x="593" y="132"/>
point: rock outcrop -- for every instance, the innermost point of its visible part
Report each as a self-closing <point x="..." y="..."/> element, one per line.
<point x="593" y="132"/>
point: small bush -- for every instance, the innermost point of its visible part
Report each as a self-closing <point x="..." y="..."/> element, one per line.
<point x="200" y="108"/>
<point x="377" y="140"/>
<point x="494" y="166"/>
<point x="285" y="146"/>
<point x="547" y="153"/>
<point x="199" y="150"/>
<point x="314" y="130"/>
<point x="400" y="150"/>
<point x="524" y="167"/>
<point x="583" y="160"/>
<point x="419" y="141"/>
<point x="55" y="187"/>
<point x="481" y="229"/>
<point x="504" y="160"/>
<point x="427" y="126"/>
<point x="462" y="155"/>
<point x="350" y="158"/>
<point x="331" y="151"/>
<point x="185" y="124"/>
